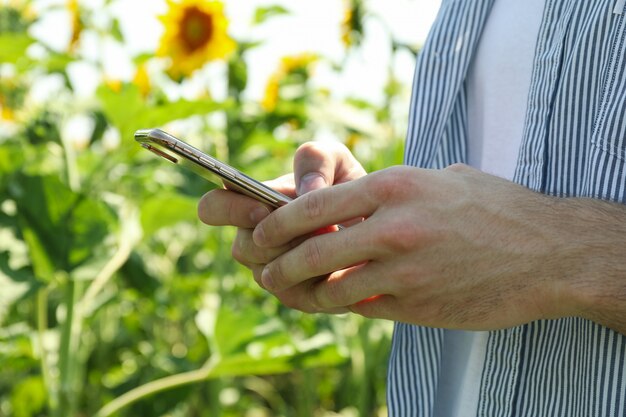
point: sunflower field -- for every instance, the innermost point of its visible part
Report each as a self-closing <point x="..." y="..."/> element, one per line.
<point x="114" y="299"/>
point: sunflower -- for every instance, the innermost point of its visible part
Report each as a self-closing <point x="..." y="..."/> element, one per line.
<point x="77" y="24"/>
<point x="6" y="113"/>
<point x="288" y="65"/>
<point x="346" y="27"/>
<point x="113" y="84"/>
<point x="142" y="80"/>
<point x="16" y="16"/>
<point x="270" y="99"/>
<point x="293" y="63"/>
<point x="12" y="96"/>
<point x="195" y="33"/>
<point x="351" y="24"/>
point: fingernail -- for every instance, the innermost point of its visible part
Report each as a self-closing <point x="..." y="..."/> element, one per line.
<point x="258" y="236"/>
<point x="311" y="181"/>
<point x="259" y="214"/>
<point x="266" y="278"/>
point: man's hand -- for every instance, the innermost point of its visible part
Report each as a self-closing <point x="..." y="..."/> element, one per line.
<point x="454" y="248"/>
<point x="315" y="166"/>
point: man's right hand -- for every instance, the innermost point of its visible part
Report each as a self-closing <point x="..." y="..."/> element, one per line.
<point x="316" y="165"/>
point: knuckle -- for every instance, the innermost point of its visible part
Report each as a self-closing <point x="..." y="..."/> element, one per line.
<point x="336" y="292"/>
<point x="289" y="301"/>
<point x="220" y="208"/>
<point x="458" y="167"/>
<point x="271" y="226"/>
<point x="362" y="309"/>
<point x="309" y="152"/>
<point x="312" y="254"/>
<point x="279" y="280"/>
<point x="389" y="184"/>
<point x="370" y="308"/>
<point x="399" y="236"/>
<point x="314" y="203"/>
<point x="240" y="248"/>
<point x="232" y="211"/>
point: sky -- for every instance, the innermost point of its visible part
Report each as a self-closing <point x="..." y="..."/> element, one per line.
<point x="311" y="26"/>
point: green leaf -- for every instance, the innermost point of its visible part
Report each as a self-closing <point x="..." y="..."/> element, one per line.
<point x="237" y="76"/>
<point x="122" y="108"/>
<point x="17" y="275"/>
<point x="116" y="31"/>
<point x="13" y="47"/>
<point x="167" y="210"/>
<point x="320" y="350"/>
<point x="235" y="330"/>
<point x="136" y="275"/>
<point x="14" y="286"/>
<point x="360" y="104"/>
<point x="57" y="62"/>
<point x="274" y="356"/>
<point x="262" y="14"/>
<point x="60" y="227"/>
<point x="141" y="58"/>
<point x="129" y="112"/>
<point x="29" y="397"/>
<point x="242" y="364"/>
<point x="250" y="343"/>
<point x="11" y="158"/>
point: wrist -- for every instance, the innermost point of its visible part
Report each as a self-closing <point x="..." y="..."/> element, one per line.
<point x="591" y="240"/>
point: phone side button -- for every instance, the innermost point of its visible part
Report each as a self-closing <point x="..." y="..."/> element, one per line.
<point x="228" y="172"/>
<point x="207" y="162"/>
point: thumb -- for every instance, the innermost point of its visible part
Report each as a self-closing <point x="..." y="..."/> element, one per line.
<point x="311" y="181"/>
<point x="322" y="164"/>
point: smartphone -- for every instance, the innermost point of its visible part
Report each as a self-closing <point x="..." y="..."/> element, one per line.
<point x="178" y="152"/>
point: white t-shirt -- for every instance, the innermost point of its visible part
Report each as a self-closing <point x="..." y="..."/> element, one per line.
<point x="497" y="86"/>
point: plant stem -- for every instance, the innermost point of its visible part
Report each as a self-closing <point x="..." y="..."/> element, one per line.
<point x="42" y="326"/>
<point x="304" y="403"/>
<point x="214" y="388"/>
<point x="66" y="354"/>
<point x="71" y="169"/>
<point x="365" y="397"/>
<point x="153" y="387"/>
<point x="114" y="264"/>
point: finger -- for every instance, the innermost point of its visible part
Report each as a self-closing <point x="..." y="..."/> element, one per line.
<point x="222" y="207"/>
<point x="246" y="252"/>
<point x="321" y="255"/>
<point x="299" y="298"/>
<point x="257" y="269"/>
<point x="350" y="286"/>
<point x="318" y="165"/>
<point x="380" y="307"/>
<point x="314" y="211"/>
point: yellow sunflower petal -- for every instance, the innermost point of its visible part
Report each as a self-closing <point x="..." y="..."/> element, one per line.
<point x="77" y="24"/>
<point x="142" y="80"/>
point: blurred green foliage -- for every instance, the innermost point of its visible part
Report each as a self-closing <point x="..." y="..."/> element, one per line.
<point x="111" y="289"/>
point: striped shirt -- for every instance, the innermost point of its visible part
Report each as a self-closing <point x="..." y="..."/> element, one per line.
<point x="573" y="145"/>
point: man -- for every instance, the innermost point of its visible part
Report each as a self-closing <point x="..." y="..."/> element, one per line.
<point x="528" y="264"/>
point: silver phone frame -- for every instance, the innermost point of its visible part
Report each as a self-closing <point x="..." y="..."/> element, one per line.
<point x="220" y="173"/>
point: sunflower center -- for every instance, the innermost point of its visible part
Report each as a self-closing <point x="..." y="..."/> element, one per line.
<point x="197" y="28"/>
